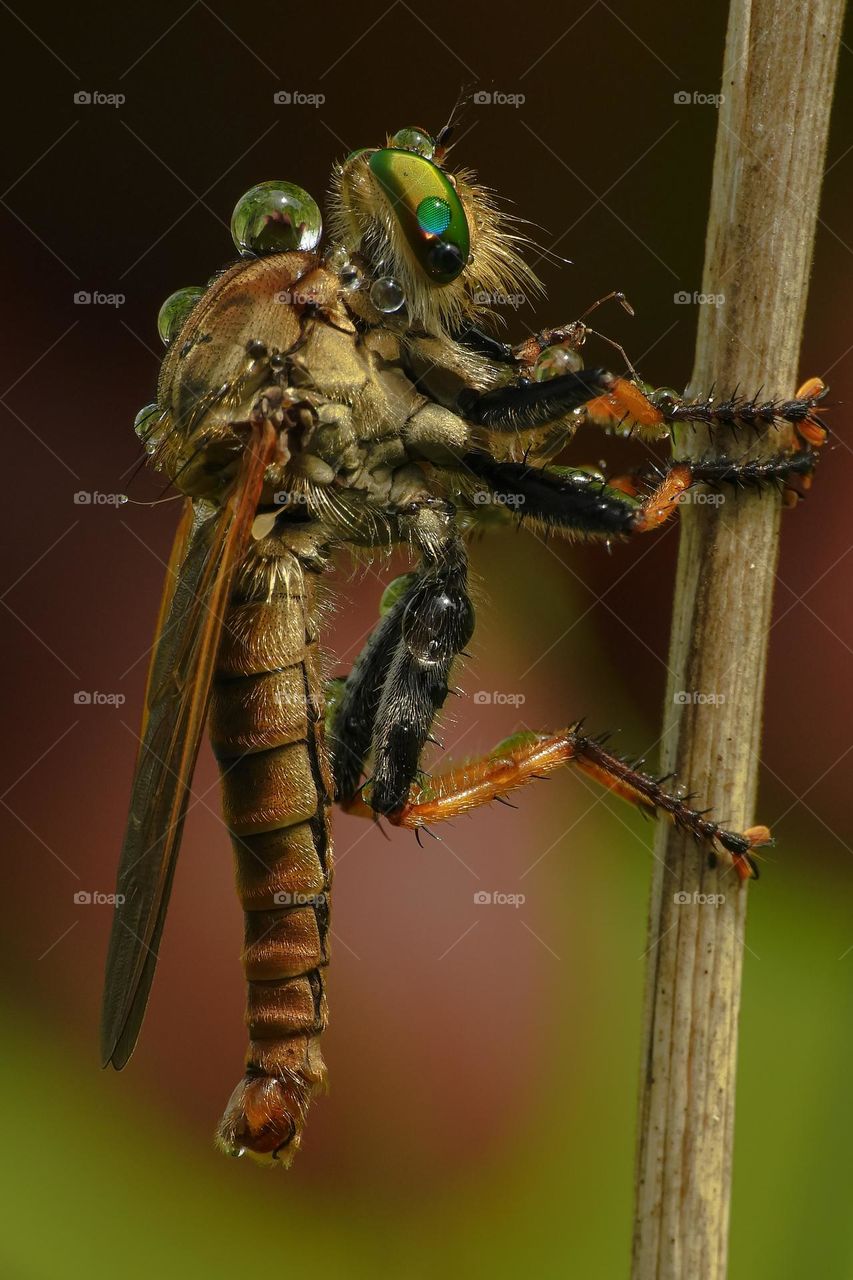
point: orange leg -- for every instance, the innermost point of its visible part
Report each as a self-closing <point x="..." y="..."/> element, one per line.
<point x="793" y="471"/>
<point x="527" y="756"/>
<point x="654" y="413"/>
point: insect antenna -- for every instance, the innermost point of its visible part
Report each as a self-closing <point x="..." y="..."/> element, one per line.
<point x="617" y="347"/>
<point x="620" y="298"/>
<point x="154" y="502"/>
<point x="446" y="132"/>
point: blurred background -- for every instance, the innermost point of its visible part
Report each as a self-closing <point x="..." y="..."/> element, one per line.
<point x="483" y="1059"/>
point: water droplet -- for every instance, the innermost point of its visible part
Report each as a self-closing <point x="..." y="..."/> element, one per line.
<point x="276" y="217"/>
<point x="437" y="625"/>
<point x="556" y="360"/>
<point x="386" y="295"/>
<point x="175" y="310"/>
<point x="148" y="425"/>
<point x="338" y="259"/>
<point x="351" y="279"/>
<point x="414" y="139"/>
<point x="663" y="398"/>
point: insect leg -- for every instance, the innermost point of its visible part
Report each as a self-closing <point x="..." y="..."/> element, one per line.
<point x="523" y="405"/>
<point x="611" y="402"/>
<point x="528" y="756"/>
<point x="638" y="410"/>
<point x="581" y="503"/>
<point x="673" y="478"/>
<point x="484" y="344"/>
<point x="350" y="731"/>
<point x="437" y="622"/>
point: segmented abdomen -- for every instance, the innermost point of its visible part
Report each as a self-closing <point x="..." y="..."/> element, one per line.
<point x="266" y="728"/>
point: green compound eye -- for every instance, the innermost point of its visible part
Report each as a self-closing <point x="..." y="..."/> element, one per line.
<point x="428" y="210"/>
<point x="412" y="139"/>
<point x="434" y="215"/>
<point x="174" y="311"/>
<point x="275" y="217"/>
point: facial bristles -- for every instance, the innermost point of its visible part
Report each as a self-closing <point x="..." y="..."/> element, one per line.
<point x="496" y="276"/>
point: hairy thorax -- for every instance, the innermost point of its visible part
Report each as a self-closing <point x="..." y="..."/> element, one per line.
<point x="275" y="337"/>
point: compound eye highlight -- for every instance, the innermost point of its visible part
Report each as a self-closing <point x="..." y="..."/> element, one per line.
<point x="275" y="217"/>
<point x="428" y="210"/>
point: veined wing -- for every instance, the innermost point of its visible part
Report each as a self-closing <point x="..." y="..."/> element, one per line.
<point x="209" y="546"/>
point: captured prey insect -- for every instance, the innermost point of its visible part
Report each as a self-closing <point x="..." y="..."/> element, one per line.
<point x="325" y="397"/>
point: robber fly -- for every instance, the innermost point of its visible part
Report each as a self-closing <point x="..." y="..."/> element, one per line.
<point x="320" y="397"/>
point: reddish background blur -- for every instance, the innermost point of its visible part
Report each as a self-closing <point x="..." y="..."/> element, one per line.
<point x="483" y="1060"/>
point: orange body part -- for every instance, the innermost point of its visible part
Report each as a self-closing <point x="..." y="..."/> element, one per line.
<point x="531" y="756"/>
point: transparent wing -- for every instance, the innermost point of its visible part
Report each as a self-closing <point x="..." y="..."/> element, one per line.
<point x="209" y="546"/>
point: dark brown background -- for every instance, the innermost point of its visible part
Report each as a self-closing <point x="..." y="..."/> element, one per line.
<point x="483" y="1059"/>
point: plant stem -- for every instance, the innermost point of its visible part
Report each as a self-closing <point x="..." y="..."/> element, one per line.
<point x="778" y="81"/>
